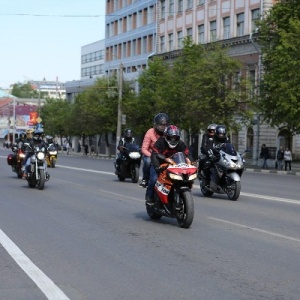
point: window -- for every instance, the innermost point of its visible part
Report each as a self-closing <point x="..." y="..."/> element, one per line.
<point x="171" y="7"/>
<point x="240" y="24"/>
<point x="255" y="15"/>
<point x="189" y="33"/>
<point x="189" y="4"/>
<point x="180" y="6"/>
<point x="129" y="22"/>
<point x="179" y="39"/>
<point x="162" y="44"/>
<point x="213" y="31"/>
<point x="163" y="9"/>
<point x="201" y="34"/>
<point x="171" y="41"/>
<point x="144" y="45"/>
<point x="201" y="2"/>
<point x="226" y="28"/>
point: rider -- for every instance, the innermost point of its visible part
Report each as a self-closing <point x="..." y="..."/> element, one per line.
<point x="123" y="142"/>
<point x="206" y="145"/>
<point x="167" y="145"/>
<point x="160" y="122"/>
<point x="33" y="137"/>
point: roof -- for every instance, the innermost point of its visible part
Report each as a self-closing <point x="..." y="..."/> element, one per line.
<point x="5" y="95"/>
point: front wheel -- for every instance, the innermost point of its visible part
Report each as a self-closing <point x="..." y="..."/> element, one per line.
<point x="233" y="190"/>
<point x="135" y="174"/>
<point x="185" y="215"/>
<point x="53" y="163"/>
<point x="41" y="180"/>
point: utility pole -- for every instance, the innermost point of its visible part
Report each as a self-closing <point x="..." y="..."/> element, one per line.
<point x="119" y="121"/>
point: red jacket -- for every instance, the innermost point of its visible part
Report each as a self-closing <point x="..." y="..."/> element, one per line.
<point x="149" y="139"/>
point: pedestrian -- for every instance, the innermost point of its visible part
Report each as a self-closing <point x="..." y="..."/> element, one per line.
<point x="287" y="158"/>
<point x="67" y="147"/>
<point x="279" y="157"/>
<point x="86" y="149"/>
<point x="264" y="154"/>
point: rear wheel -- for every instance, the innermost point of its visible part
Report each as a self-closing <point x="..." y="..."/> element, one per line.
<point x="233" y="191"/>
<point x="185" y="215"/>
<point x="42" y="179"/>
<point x="135" y="174"/>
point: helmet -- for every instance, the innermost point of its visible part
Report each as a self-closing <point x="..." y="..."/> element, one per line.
<point x="37" y="134"/>
<point x="172" y="136"/>
<point x="128" y="134"/>
<point x="49" y="139"/>
<point x="29" y="133"/>
<point x="220" y="134"/>
<point x="160" y="121"/>
<point x="211" y="129"/>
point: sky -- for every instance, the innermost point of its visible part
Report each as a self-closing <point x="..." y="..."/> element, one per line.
<point x="43" y="38"/>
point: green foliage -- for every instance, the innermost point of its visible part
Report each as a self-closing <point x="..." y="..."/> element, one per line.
<point x="24" y="91"/>
<point x="280" y="89"/>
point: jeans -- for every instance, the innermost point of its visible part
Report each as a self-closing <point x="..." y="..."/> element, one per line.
<point x="146" y="168"/>
<point x="151" y="183"/>
<point x="265" y="164"/>
<point x="279" y="164"/>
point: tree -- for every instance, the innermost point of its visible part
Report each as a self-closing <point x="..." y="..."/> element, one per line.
<point x="280" y="89"/>
<point x="26" y="91"/>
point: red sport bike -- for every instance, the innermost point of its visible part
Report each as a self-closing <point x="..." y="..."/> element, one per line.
<point x="172" y="191"/>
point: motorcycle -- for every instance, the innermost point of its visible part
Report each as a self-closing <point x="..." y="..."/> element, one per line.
<point x="225" y="173"/>
<point x="37" y="170"/>
<point x="15" y="159"/>
<point x="130" y="163"/>
<point x="172" y="190"/>
<point x="51" y="156"/>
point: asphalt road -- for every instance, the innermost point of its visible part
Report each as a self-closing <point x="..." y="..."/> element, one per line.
<point x="88" y="236"/>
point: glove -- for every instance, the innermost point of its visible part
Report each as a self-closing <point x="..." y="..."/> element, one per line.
<point x="157" y="169"/>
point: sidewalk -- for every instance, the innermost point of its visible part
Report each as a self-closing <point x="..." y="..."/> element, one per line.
<point x="248" y="166"/>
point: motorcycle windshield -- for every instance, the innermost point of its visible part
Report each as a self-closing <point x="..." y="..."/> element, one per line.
<point x="51" y="147"/>
<point x="229" y="149"/>
<point x="133" y="148"/>
<point x="179" y="158"/>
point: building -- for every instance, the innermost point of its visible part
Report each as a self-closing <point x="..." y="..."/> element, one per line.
<point x="91" y="68"/>
<point x="130" y="36"/>
<point x="231" y="22"/>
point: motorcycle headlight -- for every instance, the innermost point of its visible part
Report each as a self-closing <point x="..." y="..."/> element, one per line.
<point x="134" y="155"/>
<point x="175" y="176"/>
<point x="40" y="155"/>
<point x="53" y="152"/>
<point x="193" y="176"/>
<point x="21" y="155"/>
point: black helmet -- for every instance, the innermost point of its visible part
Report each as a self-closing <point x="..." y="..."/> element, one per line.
<point x="160" y="121"/>
<point x="211" y="129"/>
<point x="127" y="133"/>
<point x="172" y="136"/>
<point x="220" y="134"/>
<point x="49" y="139"/>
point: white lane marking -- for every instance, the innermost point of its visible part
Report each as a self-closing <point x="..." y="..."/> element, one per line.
<point x="256" y="229"/>
<point x="285" y="200"/>
<point x="45" y="284"/>
<point x="271" y="198"/>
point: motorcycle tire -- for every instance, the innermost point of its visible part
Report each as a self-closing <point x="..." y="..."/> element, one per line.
<point x="205" y="192"/>
<point x="135" y="174"/>
<point x="152" y="212"/>
<point x="42" y="179"/>
<point x="233" y="194"/>
<point x="185" y="216"/>
<point x="53" y="163"/>
<point x="121" y="178"/>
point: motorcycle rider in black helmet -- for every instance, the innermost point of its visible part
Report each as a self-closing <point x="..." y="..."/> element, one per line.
<point x="206" y="145"/>
<point x="126" y="139"/>
<point x="220" y="135"/>
<point x="33" y="138"/>
<point x="160" y="122"/>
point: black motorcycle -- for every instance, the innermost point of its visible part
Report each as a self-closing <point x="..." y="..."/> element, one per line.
<point x="37" y="170"/>
<point x="15" y="159"/>
<point x="130" y="163"/>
